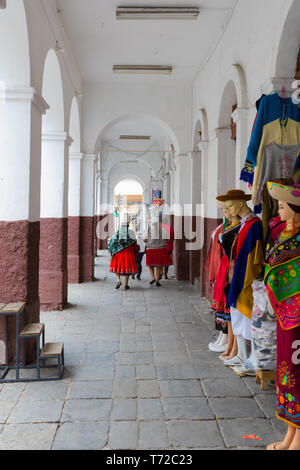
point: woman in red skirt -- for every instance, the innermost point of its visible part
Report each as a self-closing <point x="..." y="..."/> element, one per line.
<point x="157" y="255"/>
<point x="123" y="248"/>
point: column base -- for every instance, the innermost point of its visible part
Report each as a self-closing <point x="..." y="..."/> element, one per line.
<point x="53" y="264"/>
<point x="19" y="279"/>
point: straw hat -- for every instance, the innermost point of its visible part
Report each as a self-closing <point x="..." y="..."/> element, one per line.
<point x="288" y="194"/>
<point x="234" y="195"/>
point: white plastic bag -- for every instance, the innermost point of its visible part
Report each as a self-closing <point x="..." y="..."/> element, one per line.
<point x="264" y="329"/>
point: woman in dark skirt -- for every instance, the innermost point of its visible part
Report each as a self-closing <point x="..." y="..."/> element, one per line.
<point x="123" y="248"/>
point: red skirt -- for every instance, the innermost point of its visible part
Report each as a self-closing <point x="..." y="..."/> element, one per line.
<point x="124" y="263"/>
<point x="158" y="258"/>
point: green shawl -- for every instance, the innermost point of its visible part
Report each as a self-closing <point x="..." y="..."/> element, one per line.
<point x="122" y="239"/>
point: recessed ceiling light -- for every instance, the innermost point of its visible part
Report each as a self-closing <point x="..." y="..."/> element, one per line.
<point x="157" y="13"/>
<point x="144" y="69"/>
<point x="135" y="137"/>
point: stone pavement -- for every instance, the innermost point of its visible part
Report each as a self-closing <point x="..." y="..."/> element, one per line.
<point x="138" y="375"/>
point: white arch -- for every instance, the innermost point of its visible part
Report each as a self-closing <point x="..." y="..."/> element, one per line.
<point x="130" y="180"/>
<point x="201" y="123"/>
<point x="235" y="86"/>
<point x="14" y="46"/>
<point x="165" y="128"/>
<point x="52" y="92"/>
<point x="289" y="43"/>
<point x="129" y="176"/>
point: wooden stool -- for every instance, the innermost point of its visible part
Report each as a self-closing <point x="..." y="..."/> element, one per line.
<point x="265" y="376"/>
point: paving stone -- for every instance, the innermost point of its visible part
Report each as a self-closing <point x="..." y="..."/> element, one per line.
<point x="144" y="357"/>
<point x="153" y="435"/>
<point x="256" y="388"/>
<point x="123" y="435"/>
<point x="94" y="372"/>
<point x="212" y="371"/>
<point x="81" y="436"/>
<point x="89" y="389"/>
<point x="169" y="357"/>
<point x="148" y="389"/>
<point x="149" y="408"/>
<point x="45" y="391"/>
<point x="126" y="388"/>
<point x="144" y="346"/>
<point x="233" y="387"/>
<point x="234" y="431"/>
<point x="103" y="346"/>
<point x="129" y="347"/>
<point x="145" y="372"/>
<point x="188" y="408"/>
<point x="125" y="372"/>
<point x="36" y="412"/>
<point x="180" y="388"/>
<point x="86" y="410"/>
<point x="11" y="392"/>
<point x="194" y="434"/>
<point x="268" y="404"/>
<point x="27" y="436"/>
<point x="125" y="358"/>
<point x="176" y="371"/>
<point x="236" y="408"/>
<point x="124" y="409"/>
<point x="280" y="428"/>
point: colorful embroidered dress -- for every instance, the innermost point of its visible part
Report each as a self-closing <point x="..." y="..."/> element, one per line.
<point x="249" y="259"/>
<point x="278" y="120"/>
<point x="282" y="279"/>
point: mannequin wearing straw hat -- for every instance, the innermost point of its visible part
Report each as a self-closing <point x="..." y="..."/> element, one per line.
<point x="246" y="265"/>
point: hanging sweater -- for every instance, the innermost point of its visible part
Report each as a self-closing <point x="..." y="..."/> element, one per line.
<point x="277" y="161"/>
<point x="278" y="120"/>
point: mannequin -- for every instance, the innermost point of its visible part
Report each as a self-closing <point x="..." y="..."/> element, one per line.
<point x="282" y="272"/>
<point x="246" y="263"/>
<point x="227" y="239"/>
<point x="212" y="265"/>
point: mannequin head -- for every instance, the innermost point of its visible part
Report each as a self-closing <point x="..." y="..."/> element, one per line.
<point x="237" y="207"/>
<point x="286" y="213"/>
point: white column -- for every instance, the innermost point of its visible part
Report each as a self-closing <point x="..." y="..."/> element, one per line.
<point x="182" y="180"/>
<point x="55" y="175"/>
<point x="88" y="179"/>
<point x="21" y="111"/>
<point x="104" y="191"/>
<point x="226" y="154"/>
<point x="196" y="177"/>
<point x="240" y="117"/>
<point x="203" y="148"/>
<point x="75" y="161"/>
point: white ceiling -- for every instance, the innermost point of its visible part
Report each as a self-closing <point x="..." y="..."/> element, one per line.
<point x="99" y="41"/>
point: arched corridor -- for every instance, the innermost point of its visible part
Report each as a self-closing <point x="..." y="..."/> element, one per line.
<point x="180" y="121"/>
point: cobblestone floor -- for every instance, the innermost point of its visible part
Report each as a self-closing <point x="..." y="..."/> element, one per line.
<point x="138" y="375"/>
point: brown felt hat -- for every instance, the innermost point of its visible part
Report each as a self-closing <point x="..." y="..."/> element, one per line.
<point x="235" y="195"/>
